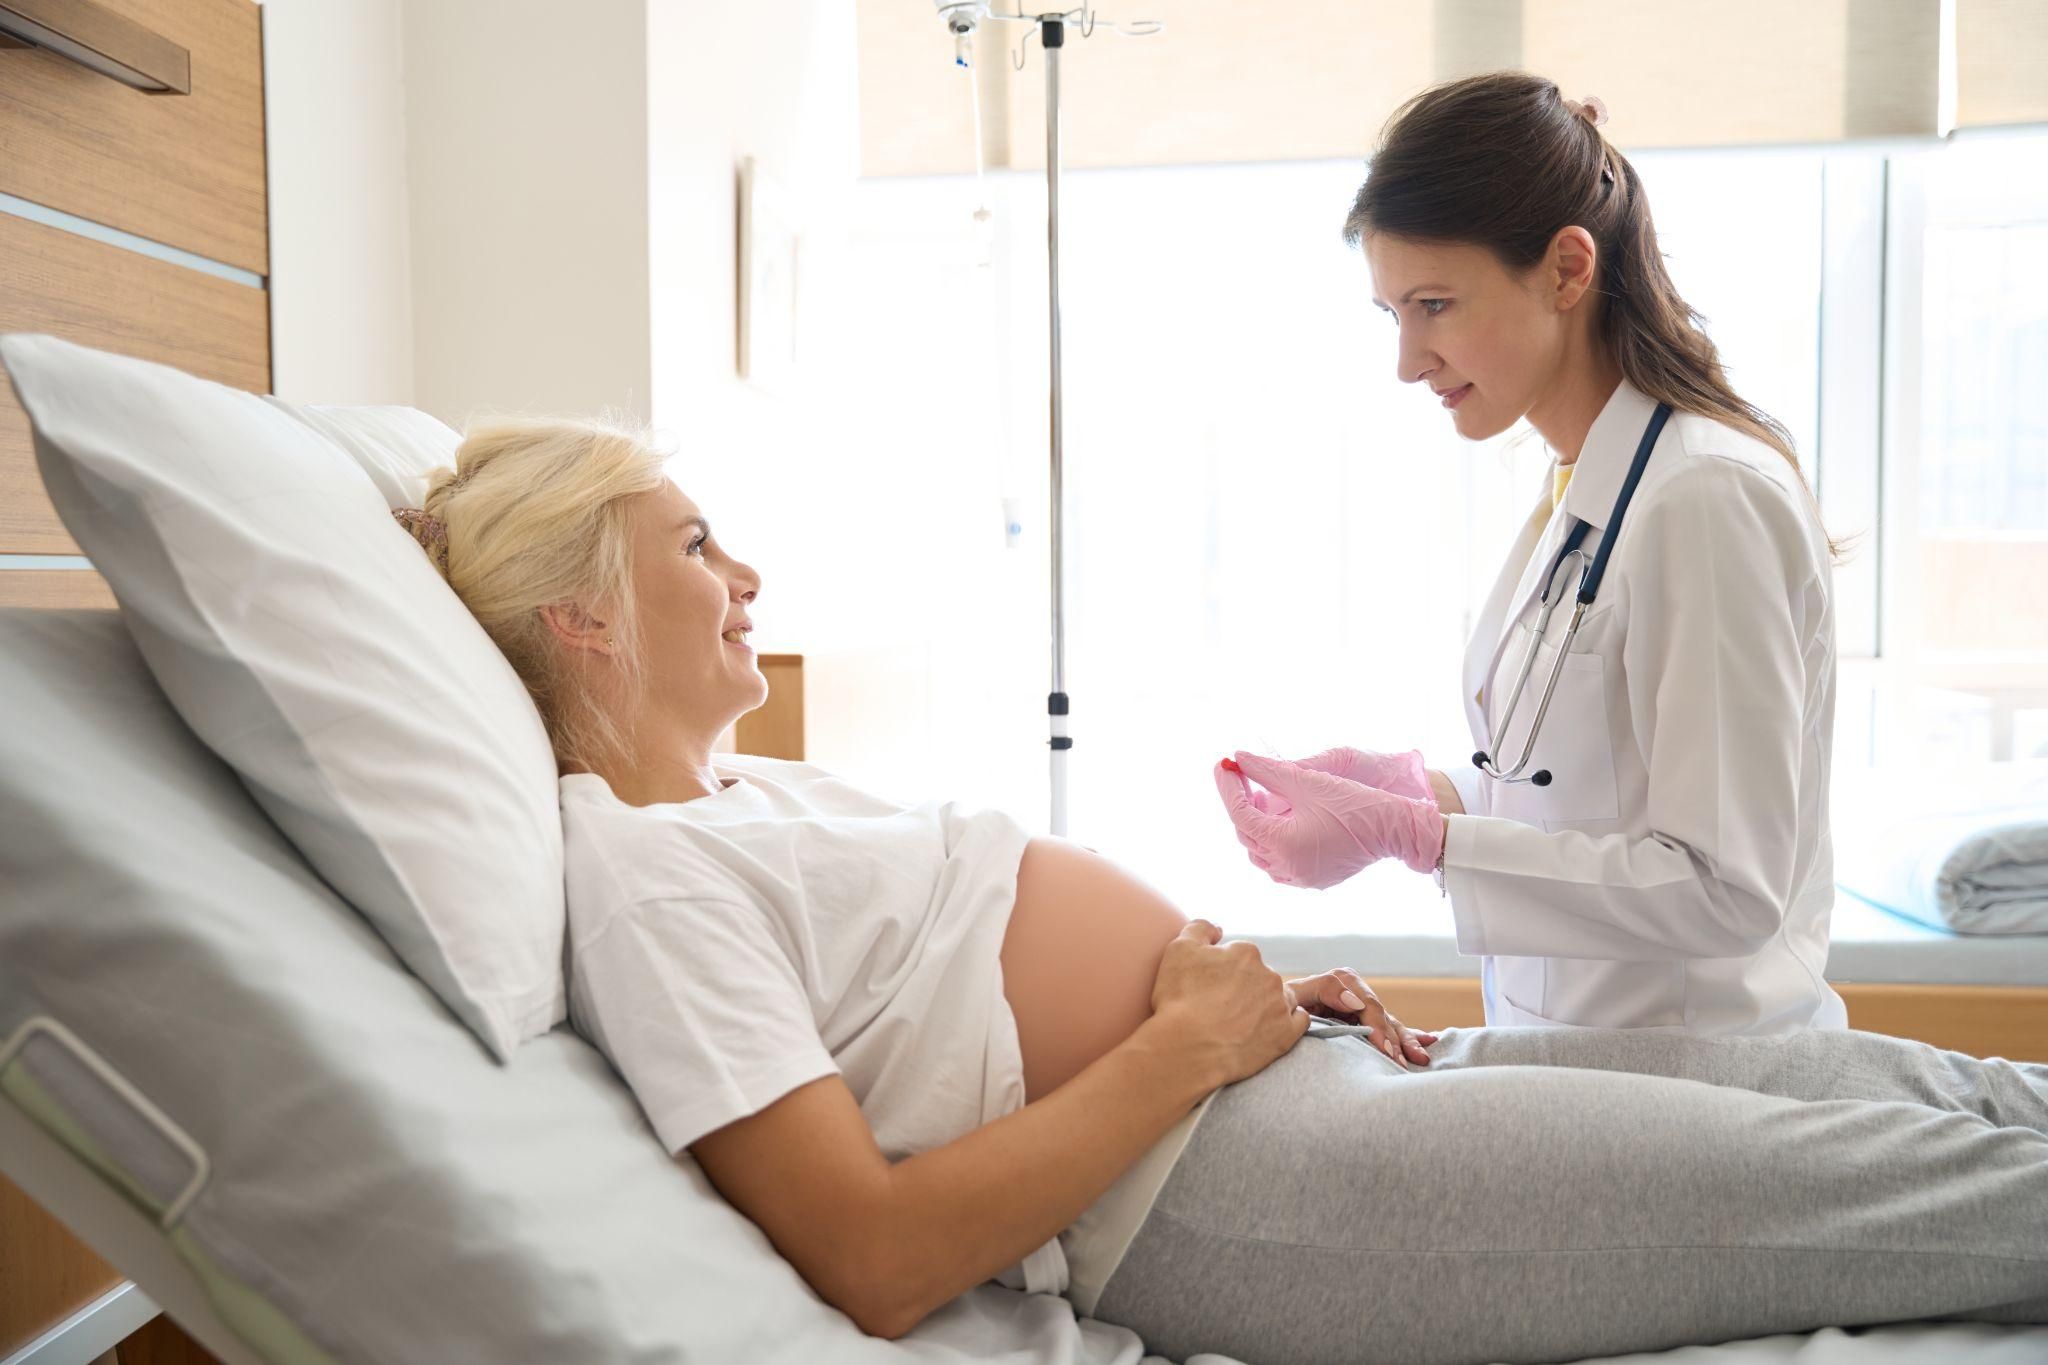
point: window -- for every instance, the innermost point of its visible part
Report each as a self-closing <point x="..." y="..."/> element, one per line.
<point x="1963" y="675"/>
<point x="1272" y="544"/>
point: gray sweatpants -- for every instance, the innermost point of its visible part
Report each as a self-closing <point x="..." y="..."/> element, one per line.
<point x="1551" y="1194"/>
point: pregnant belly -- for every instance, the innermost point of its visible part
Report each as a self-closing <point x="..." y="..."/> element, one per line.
<point x="1079" y="957"/>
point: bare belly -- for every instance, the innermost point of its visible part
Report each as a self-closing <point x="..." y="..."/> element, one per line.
<point x="1079" y="958"/>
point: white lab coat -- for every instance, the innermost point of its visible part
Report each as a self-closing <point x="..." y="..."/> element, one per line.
<point x="1677" y="873"/>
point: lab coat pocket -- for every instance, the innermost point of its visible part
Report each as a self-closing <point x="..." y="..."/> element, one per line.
<point x="1514" y="993"/>
<point x="1552" y="992"/>
<point x="1573" y="743"/>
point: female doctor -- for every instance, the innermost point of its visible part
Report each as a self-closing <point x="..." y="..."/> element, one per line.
<point x="1641" y="840"/>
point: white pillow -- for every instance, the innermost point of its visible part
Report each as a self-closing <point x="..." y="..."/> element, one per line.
<point x="396" y="447"/>
<point x="303" y="635"/>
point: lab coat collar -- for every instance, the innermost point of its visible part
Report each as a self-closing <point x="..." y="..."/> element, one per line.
<point x="1605" y="457"/>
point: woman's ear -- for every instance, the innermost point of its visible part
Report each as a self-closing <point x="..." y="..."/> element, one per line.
<point x="576" y="629"/>
<point x="1574" y="266"/>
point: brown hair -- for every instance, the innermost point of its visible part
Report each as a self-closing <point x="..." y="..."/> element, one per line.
<point x="1505" y="162"/>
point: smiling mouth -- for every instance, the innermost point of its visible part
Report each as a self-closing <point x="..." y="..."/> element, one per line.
<point x="737" y="636"/>
<point x="1453" y="397"/>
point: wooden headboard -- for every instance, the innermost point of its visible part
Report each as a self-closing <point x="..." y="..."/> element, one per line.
<point x="132" y="222"/>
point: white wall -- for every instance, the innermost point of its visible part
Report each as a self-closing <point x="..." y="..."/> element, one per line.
<point x="776" y="83"/>
<point x="458" y="204"/>
<point x="771" y="82"/>
<point x="478" y="207"/>
<point x="526" y="164"/>
<point x="341" y="313"/>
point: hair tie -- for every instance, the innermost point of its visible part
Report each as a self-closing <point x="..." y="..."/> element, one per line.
<point x="1592" y="111"/>
<point x="429" y="530"/>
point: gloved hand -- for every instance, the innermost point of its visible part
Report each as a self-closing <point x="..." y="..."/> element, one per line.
<point x="1331" y="828"/>
<point x="1401" y="774"/>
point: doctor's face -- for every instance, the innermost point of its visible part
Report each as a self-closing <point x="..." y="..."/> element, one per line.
<point x="1487" y="341"/>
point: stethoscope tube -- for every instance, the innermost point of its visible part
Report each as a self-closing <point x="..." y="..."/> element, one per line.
<point x="1589" y="589"/>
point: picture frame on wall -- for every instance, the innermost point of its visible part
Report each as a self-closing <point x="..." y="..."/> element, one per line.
<point x="766" y="336"/>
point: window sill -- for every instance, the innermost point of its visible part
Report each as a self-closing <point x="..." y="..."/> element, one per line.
<point x="1413" y="938"/>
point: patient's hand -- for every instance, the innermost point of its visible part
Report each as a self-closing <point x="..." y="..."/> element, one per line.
<point x="1229" y="1013"/>
<point x="1342" y="994"/>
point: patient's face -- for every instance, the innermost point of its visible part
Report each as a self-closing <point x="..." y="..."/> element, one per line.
<point x="1471" y="329"/>
<point x="692" y="599"/>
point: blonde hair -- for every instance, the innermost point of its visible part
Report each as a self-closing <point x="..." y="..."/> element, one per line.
<point x="535" y="514"/>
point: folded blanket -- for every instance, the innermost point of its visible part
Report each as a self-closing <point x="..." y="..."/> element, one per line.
<point x="1965" y="851"/>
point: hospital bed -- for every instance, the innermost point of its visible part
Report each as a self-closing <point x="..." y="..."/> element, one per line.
<point x="212" y="1070"/>
<point x="221" y="1078"/>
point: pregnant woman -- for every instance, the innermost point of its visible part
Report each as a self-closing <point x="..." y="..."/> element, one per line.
<point x="921" y="1049"/>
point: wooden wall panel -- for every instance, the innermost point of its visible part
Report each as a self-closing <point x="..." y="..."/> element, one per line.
<point x="1984" y="1021"/>
<point x="104" y="296"/>
<point x="185" y="170"/>
<point x="53" y="588"/>
<point x="1431" y="1002"/>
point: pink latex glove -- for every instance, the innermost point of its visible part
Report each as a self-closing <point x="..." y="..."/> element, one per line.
<point x="1264" y="802"/>
<point x="1323" y="828"/>
<point x="1401" y="774"/>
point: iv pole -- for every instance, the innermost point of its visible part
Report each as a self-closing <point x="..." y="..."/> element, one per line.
<point x="1052" y="35"/>
<point x="961" y="17"/>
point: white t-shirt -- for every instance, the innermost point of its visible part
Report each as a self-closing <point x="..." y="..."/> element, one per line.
<point x="726" y="950"/>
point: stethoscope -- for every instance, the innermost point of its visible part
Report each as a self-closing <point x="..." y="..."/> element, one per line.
<point x="1589" y="588"/>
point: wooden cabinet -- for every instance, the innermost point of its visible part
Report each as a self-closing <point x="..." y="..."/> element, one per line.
<point x="777" y="729"/>
<point x="46" y="1274"/>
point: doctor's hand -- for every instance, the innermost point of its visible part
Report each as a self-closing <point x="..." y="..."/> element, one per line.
<point x="1341" y="994"/>
<point x="1331" y="826"/>
<point x="1401" y="774"/>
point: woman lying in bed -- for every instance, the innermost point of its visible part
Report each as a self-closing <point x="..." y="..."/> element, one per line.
<point x="922" y="1049"/>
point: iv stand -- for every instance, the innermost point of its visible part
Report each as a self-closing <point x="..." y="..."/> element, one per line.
<point x="1052" y="35"/>
<point x="961" y="17"/>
